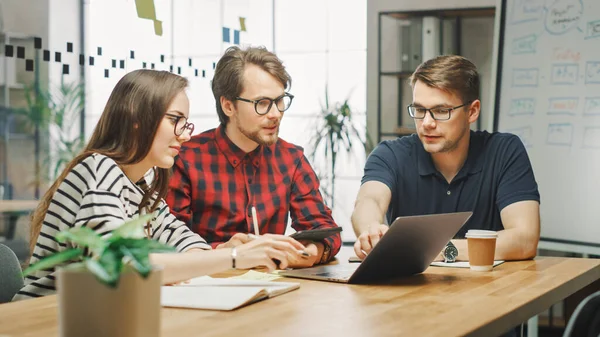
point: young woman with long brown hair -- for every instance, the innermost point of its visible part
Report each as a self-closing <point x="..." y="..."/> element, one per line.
<point x="124" y="172"/>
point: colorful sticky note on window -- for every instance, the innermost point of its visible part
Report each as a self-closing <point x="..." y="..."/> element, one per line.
<point x="236" y="37"/>
<point x="226" y="37"/>
<point x="242" y="24"/>
<point x="146" y="10"/>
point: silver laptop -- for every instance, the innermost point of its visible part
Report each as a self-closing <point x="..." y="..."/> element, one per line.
<point x="408" y="247"/>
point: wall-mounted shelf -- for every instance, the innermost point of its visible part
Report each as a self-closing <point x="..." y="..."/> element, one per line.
<point x="406" y="39"/>
<point x="398" y="74"/>
<point x="404" y="131"/>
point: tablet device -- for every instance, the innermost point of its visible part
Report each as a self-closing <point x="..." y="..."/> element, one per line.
<point x="316" y="234"/>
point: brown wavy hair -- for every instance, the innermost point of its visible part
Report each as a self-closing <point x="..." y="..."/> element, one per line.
<point x="228" y="80"/>
<point x="125" y="133"/>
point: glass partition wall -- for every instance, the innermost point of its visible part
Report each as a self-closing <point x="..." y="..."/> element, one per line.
<point x="63" y="58"/>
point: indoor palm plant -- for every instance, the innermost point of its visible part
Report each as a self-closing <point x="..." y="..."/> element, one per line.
<point x="54" y="111"/>
<point x="109" y="287"/>
<point x="37" y="115"/>
<point x="336" y="131"/>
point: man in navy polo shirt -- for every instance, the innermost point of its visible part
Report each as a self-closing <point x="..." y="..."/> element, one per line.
<point x="446" y="167"/>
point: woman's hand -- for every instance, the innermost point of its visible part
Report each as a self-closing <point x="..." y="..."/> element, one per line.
<point x="264" y="250"/>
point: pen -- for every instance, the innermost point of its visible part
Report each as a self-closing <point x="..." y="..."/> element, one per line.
<point x="301" y="252"/>
<point x="255" y="221"/>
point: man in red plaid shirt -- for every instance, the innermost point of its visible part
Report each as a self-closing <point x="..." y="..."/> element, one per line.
<point x="222" y="173"/>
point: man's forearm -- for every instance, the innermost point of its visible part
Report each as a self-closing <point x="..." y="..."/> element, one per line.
<point x="366" y="212"/>
<point x="511" y="244"/>
<point x="463" y="250"/>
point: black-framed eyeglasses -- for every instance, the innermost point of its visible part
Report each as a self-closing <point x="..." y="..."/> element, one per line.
<point x="180" y="124"/>
<point x="263" y="106"/>
<point x="439" y="114"/>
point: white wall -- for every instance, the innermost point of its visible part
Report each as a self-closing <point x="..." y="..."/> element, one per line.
<point x="28" y="17"/>
<point x="373" y="9"/>
<point x="479" y="48"/>
<point x="21" y="20"/>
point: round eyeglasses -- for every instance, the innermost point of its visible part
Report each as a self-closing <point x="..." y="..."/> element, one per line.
<point x="180" y="124"/>
<point x="263" y="106"/>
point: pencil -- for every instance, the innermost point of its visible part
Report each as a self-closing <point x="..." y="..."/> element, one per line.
<point x="255" y="221"/>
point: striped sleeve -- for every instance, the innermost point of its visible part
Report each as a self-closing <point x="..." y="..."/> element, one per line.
<point x="169" y="230"/>
<point x="101" y="211"/>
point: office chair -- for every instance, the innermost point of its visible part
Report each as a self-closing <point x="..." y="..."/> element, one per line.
<point x="11" y="279"/>
<point x="585" y="321"/>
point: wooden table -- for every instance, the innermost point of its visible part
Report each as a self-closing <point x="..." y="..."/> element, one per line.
<point x="14" y="209"/>
<point x="440" y="302"/>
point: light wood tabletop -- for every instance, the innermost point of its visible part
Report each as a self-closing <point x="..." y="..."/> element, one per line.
<point x="440" y="302"/>
<point x="17" y="205"/>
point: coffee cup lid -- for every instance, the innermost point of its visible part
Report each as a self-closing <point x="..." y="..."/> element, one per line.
<point x="478" y="233"/>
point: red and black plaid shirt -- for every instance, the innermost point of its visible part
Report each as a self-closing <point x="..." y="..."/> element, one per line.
<point x="215" y="184"/>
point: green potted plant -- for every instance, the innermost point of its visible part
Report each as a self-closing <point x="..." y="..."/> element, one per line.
<point x="66" y="102"/>
<point x="108" y="287"/>
<point x="37" y="115"/>
<point x="336" y="131"/>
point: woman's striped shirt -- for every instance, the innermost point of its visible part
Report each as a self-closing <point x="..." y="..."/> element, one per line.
<point x="97" y="194"/>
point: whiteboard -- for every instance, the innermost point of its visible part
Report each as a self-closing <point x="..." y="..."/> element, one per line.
<point x="548" y="93"/>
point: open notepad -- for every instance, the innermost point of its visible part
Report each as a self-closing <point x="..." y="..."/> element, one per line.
<point x="222" y="293"/>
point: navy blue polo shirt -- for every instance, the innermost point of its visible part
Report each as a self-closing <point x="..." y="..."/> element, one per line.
<point x="497" y="173"/>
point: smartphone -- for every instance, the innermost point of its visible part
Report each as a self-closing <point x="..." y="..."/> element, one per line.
<point x="316" y="234"/>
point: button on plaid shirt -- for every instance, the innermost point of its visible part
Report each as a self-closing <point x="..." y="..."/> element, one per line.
<point x="215" y="184"/>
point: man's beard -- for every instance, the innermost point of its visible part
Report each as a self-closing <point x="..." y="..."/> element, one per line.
<point x="449" y="145"/>
<point x="255" y="135"/>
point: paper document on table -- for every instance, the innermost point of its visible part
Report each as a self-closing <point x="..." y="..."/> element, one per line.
<point x="222" y="293"/>
<point x="256" y="275"/>
<point x="459" y="264"/>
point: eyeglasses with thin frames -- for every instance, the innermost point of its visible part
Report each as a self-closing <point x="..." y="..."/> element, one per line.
<point x="439" y="114"/>
<point x="263" y="106"/>
<point x="180" y="124"/>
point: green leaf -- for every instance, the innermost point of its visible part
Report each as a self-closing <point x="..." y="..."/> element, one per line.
<point x="139" y="259"/>
<point x="112" y="260"/>
<point x="136" y="252"/>
<point x="100" y="272"/>
<point x="83" y="237"/>
<point x="53" y="260"/>
<point x="108" y="268"/>
<point x="131" y="229"/>
<point x="152" y="246"/>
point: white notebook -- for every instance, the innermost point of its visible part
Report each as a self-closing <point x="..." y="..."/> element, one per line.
<point x="221" y="293"/>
